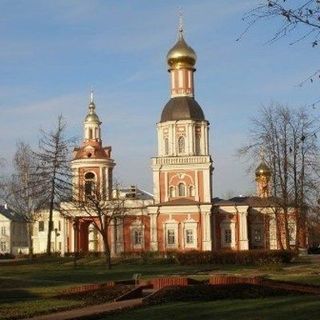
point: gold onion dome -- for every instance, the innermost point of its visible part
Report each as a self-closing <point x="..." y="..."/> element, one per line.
<point x="181" y="55"/>
<point x="263" y="170"/>
<point x="92" y="116"/>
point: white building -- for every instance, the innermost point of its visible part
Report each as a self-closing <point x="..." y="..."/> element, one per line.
<point x="13" y="232"/>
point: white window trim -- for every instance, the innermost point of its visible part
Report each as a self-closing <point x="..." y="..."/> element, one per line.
<point x="190" y="225"/>
<point x="171" y="225"/>
<point x="228" y="225"/>
<point x="186" y="191"/>
<point x="137" y="225"/>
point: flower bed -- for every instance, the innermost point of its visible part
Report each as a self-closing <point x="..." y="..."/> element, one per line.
<point x="205" y="292"/>
<point x="96" y="296"/>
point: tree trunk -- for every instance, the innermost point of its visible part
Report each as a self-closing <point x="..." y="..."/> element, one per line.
<point x="50" y="224"/>
<point x="278" y="231"/>
<point x="30" y="240"/>
<point x="107" y="252"/>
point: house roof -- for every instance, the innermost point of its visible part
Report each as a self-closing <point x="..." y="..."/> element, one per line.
<point x="10" y="214"/>
<point x="251" y="201"/>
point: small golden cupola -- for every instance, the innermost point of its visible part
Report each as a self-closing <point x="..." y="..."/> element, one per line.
<point x="181" y="55"/>
<point x="181" y="60"/>
<point x="92" y="122"/>
<point x="263" y="175"/>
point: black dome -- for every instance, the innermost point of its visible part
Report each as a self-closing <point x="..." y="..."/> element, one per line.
<point x="182" y="108"/>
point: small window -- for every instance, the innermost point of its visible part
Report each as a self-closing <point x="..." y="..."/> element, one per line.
<point x="41" y="225"/>
<point x="3" y="246"/>
<point x="198" y="145"/>
<point x="171" y="237"/>
<point x="182" y="190"/>
<point x="60" y="246"/>
<point x="3" y="230"/>
<point x="172" y="192"/>
<point x="227" y="236"/>
<point x="189" y="236"/>
<point x="137" y="237"/>
<point x="89" y="176"/>
<point x="89" y="183"/>
<point x="90" y="133"/>
<point x="59" y="225"/>
<point x="181" y="145"/>
<point x="191" y="191"/>
<point x="166" y="146"/>
<point x="257" y="236"/>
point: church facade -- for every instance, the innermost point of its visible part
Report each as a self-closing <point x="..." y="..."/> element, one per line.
<point x="182" y="213"/>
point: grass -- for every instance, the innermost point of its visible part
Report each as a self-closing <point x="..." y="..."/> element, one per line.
<point x="28" y="287"/>
<point x="293" y="308"/>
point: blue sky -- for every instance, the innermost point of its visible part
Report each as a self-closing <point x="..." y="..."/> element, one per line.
<point x="52" y="52"/>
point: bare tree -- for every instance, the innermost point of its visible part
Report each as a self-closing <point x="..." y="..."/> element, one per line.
<point x="288" y="138"/>
<point x="104" y="214"/>
<point x="54" y="168"/>
<point x="299" y="19"/>
<point x="2" y="179"/>
<point x="303" y="14"/>
<point x="23" y="189"/>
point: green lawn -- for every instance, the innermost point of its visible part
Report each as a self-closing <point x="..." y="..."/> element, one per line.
<point x="31" y="287"/>
<point x="280" y="308"/>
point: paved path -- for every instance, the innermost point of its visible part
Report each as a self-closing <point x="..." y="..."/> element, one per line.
<point x="91" y="311"/>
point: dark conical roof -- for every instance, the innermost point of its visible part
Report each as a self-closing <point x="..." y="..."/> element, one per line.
<point x="182" y="108"/>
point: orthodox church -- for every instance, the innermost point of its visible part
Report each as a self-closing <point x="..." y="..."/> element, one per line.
<point x="182" y="213"/>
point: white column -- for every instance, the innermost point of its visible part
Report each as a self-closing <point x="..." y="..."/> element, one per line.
<point x="206" y="231"/>
<point x="173" y="140"/>
<point x="166" y="186"/>
<point x="206" y="185"/>
<point x="156" y="185"/>
<point x="159" y="140"/>
<point x="206" y="140"/>
<point x="63" y="236"/>
<point x="153" y="232"/>
<point x="106" y="183"/>
<point x="190" y="139"/>
<point x="243" y="230"/>
<point x="196" y="182"/>
<point x="101" y="181"/>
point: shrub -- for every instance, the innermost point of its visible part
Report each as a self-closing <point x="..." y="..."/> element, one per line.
<point x="6" y="256"/>
<point x="254" y="257"/>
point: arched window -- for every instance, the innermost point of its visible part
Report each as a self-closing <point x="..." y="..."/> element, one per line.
<point x="198" y="145"/>
<point x="90" y="133"/>
<point x="182" y="190"/>
<point x="89" y="181"/>
<point x="191" y="191"/>
<point x="166" y="146"/>
<point x="181" y="145"/>
<point x="172" y="192"/>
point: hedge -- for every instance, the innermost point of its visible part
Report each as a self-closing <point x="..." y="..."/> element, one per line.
<point x="249" y="257"/>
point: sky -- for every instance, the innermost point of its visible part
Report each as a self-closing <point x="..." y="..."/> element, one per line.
<point x="53" y="52"/>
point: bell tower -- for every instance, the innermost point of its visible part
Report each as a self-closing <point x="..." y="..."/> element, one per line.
<point x="182" y="169"/>
<point x="92" y="164"/>
<point x="263" y="175"/>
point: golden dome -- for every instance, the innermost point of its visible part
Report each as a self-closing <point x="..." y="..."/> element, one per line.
<point x="263" y="170"/>
<point x="92" y="116"/>
<point x="181" y="55"/>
